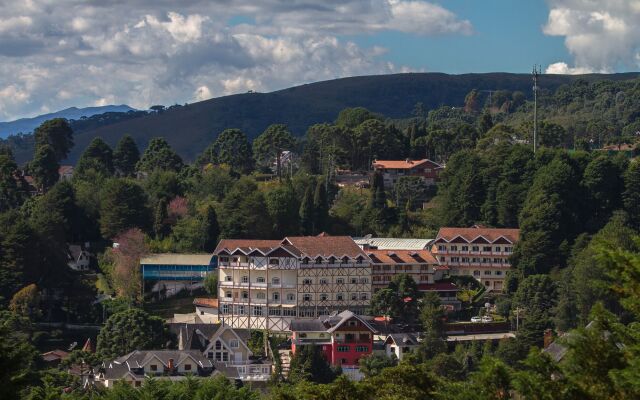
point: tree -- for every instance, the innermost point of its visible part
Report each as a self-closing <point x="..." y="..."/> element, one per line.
<point x="432" y="316"/>
<point x="270" y="145"/>
<point x="122" y="206"/>
<point x="97" y="156"/>
<point x="160" y="219"/>
<point x="197" y="233"/>
<point x="11" y="193"/>
<point x="373" y="364"/>
<point x="320" y="207"/>
<point x="126" y="156"/>
<point x="211" y="284"/>
<point x="126" y="276"/>
<point x="44" y="167"/>
<point x="283" y="208"/>
<point x="26" y="302"/>
<point x="130" y="330"/>
<point x="242" y="213"/>
<point x="309" y="364"/>
<point x="18" y="358"/>
<point x="211" y="229"/>
<point x="603" y="182"/>
<point x="631" y="194"/>
<point x="352" y="117"/>
<point x="56" y="133"/>
<point x="462" y="190"/>
<point x="232" y="148"/>
<point x="307" y="213"/>
<point x="159" y="156"/>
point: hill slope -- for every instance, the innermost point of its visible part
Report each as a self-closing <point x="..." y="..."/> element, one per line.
<point x="189" y="129"/>
<point x="27" y="125"/>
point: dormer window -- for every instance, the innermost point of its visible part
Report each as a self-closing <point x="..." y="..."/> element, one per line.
<point x="318" y="260"/>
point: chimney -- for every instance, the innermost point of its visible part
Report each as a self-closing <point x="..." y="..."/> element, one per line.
<point x="408" y="160"/>
<point x="548" y="337"/>
<point x="170" y="366"/>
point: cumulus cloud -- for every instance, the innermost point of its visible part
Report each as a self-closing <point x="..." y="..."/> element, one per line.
<point x="600" y="35"/>
<point x="73" y="52"/>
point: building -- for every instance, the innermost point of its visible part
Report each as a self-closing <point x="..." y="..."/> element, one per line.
<point x="368" y="242"/>
<point x="344" y="338"/>
<point x="65" y="172"/>
<point x="447" y="291"/>
<point x="170" y="273"/>
<point x="206" y="308"/>
<point x="264" y="284"/>
<point x="78" y="259"/>
<point x="401" y="344"/>
<point x="421" y="265"/>
<point x="136" y="366"/>
<point x="392" y="170"/>
<point x="479" y="252"/>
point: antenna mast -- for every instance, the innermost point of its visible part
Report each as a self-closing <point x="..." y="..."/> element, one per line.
<point x="535" y="74"/>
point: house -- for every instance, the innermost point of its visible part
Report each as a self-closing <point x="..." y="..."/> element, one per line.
<point x="447" y="292"/>
<point x="136" y="366"/>
<point x="78" y="259"/>
<point x="392" y="170"/>
<point x="264" y="284"/>
<point x="477" y="251"/>
<point x="344" y="338"/>
<point x="373" y="243"/>
<point x="207" y="308"/>
<point x="226" y="347"/>
<point x="171" y="273"/>
<point x="401" y="344"/>
<point x="54" y="357"/>
<point x="387" y="264"/>
<point x="65" y="172"/>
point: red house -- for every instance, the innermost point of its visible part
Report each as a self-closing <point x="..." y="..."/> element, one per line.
<point x="392" y="170"/>
<point x="345" y="338"/>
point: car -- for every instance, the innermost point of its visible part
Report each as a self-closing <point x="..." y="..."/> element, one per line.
<point x="487" y="318"/>
<point x="476" y="319"/>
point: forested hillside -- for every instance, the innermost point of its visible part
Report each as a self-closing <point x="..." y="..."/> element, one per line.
<point x="191" y="127"/>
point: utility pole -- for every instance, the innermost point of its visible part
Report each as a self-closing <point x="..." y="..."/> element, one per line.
<point x="536" y="73"/>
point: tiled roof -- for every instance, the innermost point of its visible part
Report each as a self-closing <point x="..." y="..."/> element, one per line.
<point x="441" y="286"/>
<point x="65" y="169"/>
<point x="393" y="243"/>
<point x="325" y="246"/>
<point x="246" y="244"/>
<point x="176" y="259"/>
<point x="205" y="302"/>
<point x="401" y="257"/>
<point x="403" y="164"/>
<point x="403" y="339"/>
<point x="470" y="234"/>
<point x="135" y="360"/>
<point x="326" y="323"/>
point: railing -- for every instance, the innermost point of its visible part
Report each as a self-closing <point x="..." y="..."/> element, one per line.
<point x="303" y="342"/>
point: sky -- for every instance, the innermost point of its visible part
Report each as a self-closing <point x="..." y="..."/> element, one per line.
<point x="60" y="53"/>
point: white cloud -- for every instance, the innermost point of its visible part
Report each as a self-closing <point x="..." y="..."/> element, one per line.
<point x="564" y="69"/>
<point x="602" y="36"/>
<point x="72" y="52"/>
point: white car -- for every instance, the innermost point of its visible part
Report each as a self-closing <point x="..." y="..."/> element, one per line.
<point x="487" y="318"/>
<point x="476" y="319"/>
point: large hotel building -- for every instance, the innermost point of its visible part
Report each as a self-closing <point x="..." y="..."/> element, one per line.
<point x="263" y="284"/>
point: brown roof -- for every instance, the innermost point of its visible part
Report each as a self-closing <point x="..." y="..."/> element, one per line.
<point x="403" y="164"/>
<point x="470" y="234"/>
<point x="205" y="302"/>
<point x="246" y="244"/>
<point x="325" y="246"/>
<point x="64" y="169"/>
<point x="401" y="257"/>
<point x="439" y="286"/>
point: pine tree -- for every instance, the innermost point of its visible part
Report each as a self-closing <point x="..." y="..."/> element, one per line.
<point x="321" y="209"/>
<point x="56" y="133"/>
<point x="126" y="156"/>
<point x="44" y="167"/>
<point x="160" y="217"/>
<point x="631" y="194"/>
<point x="307" y="212"/>
<point x="211" y="229"/>
<point x="98" y="156"/>
<point x="159" y="156"/>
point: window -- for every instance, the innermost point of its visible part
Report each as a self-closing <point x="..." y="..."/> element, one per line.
<point x="228" y="278"/>
<point x="352" y="323"/>
<point x="245" y="294"/>
<point x="245" y="279"/>
<point x="275" y="296"/>
<point x="339" y="280"/>
<point x="486" y="248"/>
<point x="210" y="354"/>
<point x="454" y="248"/>
<point x="187" y="367"/>
<point x="289" y="312"/>
<point x="234" y="343"/>
<point x="486" y="260"/>
<point x="225" y="309"/>
<point x="363" y="296"/>
<point x="257" y="311"/>
<point x="241" y="310"/>
<point x="465" y="259"/>
<point x="274" y="261"/>
<point x="476" y="273"/>
<point x="354" y="281"/>
<point x="465" y="248"/>
<point x="497" y="261"/>
<point x="236" y="259"/>
<point x="324" y="297"/>
<point x="475" y="259"/>
<point x="487" y="283"/>
<point x="260" y="279"/>
<point x="508" y="249"/>
<point x="340" y="296"/>
<point x="354" y="296"/>
<point x="218" y="345"/>
<point x="364" y="337"/>
<point x="364" y="280"/>
<point x="455" y="259"/>
<point x="307" y="281"/>
<point x="498" y="273"/>
<point x="261" y="296"/>
<point x="274" y="311"/>
<point x="227" y="295"/>
<point x="487" y="272"/>
<point x="441" y="248"/>
<point x="275" y="280"/>
<point x="323" y="281"/>
<point x="343" y="349"/>
<point x="498" y="248"/>
<point x="306" y="297"/>
<point x="475" y="248"/>
<point x="291" y="296"/>
<point x="224" y="259"/>
<point x="362" y="349"/>
<point x="154" y="367"/>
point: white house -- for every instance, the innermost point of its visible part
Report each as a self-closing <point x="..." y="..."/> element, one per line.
<point x="401" y="344"/>
<point x="78" y="259"/>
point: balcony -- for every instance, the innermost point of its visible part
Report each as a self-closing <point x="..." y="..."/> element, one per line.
<point x="315" y="342"/>
<point x="284" y="285"/>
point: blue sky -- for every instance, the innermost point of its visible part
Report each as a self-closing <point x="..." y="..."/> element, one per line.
<point x="66" y="53"/>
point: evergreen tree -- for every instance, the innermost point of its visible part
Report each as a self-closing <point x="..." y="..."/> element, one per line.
<point x="98" y="156"/>
<point x="270" y="145"/>
<point x="231" y="147"/>
<point x="603" y="182"/>
<point x="11" y="194"/>
<point x="307" y="212"/>
<point x="44" y="167"/>
<point x="123" y="205"/>
<point x="242" y="214"/>
<point x="631" y="195"/>
<point x="283" y="208"/>
<point x="130" y="330"/>
<point x="56" y="133"/>
<point x="378" y="194"/>
<point x="160" y="218"/>
<point x="211" y="229"/>
<point x="126" y="156"/>
<point x="320" y="207"/>
<point x="159" y="156"/>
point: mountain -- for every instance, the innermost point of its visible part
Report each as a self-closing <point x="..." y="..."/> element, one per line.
<point x="190" y="128"/>
<point x="27" y="125"/>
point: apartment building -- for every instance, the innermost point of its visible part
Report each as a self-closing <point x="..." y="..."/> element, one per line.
<point x="392" y="170"/>
<point x="477" y="251"/>
<point x="264" y="284"/>
<point x="421" y="265"/>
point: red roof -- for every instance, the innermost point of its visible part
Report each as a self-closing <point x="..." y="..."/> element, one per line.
<point x="401" y="257"/>
<point x="447" y="234"/>
<point x="325" y="246"/>
<point x="403" y="164"/>
<point x="439" y="287"/>
<point x="205" y="302"/>
<point x="245" y="244"/>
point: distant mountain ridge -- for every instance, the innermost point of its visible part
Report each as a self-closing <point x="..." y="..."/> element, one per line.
<point x="27" y="125"/>
<point x="190" y="128"/>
